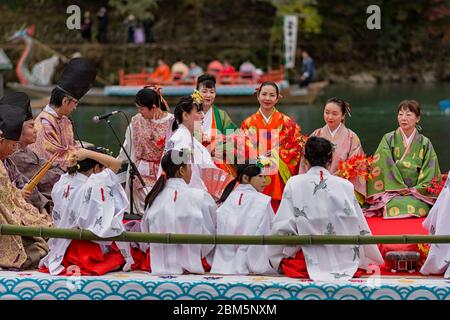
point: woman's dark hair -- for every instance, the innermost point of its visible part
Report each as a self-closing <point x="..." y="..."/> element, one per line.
<point x="87" y="164"/>
<point x="185" y="104"/>
<point x="148" y="97"/>
<point x="344" y="105"/>
<point x="411" y="105"/>
<point x="171" y="163"/>
<point x="249" y="169"/>
<point x="318" y="151"/>
<point x="57" y="96"/>
<point x="268" y="83"/>
<point x="206" y="80"/>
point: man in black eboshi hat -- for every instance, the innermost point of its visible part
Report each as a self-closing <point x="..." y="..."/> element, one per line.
<point x="17" y="252"/>
<point x="54" y="128"/>
<point x="23" y="164"/>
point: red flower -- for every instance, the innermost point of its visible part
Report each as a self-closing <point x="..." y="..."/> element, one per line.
<point x="436" y="184"/>
<point x="356" y="166"/>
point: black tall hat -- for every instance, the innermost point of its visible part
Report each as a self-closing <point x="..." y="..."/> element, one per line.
<point x="11" y="121"/>
<point x="19" y="100"/>
<point x="77" y="77"/>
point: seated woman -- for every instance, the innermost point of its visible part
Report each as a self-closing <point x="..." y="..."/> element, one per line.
<point x="174" y="207"/>
<point x="403" y="164"/>
<point x="318" y="203"/>
<point x="245" y="210"/>
<point x="278" y="136"/>
<point x="216" y="121"/>
<point x="144" y="141"/>
<point x="188" y="119"/>
<point x="89" y="197"/>
<point x="438" y="223"/>
<point x="347" y="143"/>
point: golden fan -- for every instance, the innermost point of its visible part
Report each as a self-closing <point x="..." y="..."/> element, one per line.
<point x="215" y="181"/>
<point x="40" y="174"/>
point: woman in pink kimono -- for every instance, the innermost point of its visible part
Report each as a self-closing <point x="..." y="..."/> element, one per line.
<point x="145" y="140"/>
<point x="346" y="142"/>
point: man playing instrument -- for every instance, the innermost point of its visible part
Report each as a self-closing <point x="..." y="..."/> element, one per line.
<point x="21" y="103"/>
<point x="54" y="128"/>
<point x="17" y="252"/>
<point x="27" y="161"/>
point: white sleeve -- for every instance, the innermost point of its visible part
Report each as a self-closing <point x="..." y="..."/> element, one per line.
<point x="209" y="210"/>
<point x="369" y="254"/>
<point x="283" y="224"/>
<point x="127" y="145"/>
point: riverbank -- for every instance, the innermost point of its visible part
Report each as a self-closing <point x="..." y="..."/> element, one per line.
<point x="201" y="33"/>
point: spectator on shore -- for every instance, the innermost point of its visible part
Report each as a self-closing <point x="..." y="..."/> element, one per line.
<point x="148" y="26"/>
<point x="228" y="69"/>
<point x="308" y="69"/>
<point x="131" y="25"/>
<point x="102" y="18"/>
<point x="86" y="27"/>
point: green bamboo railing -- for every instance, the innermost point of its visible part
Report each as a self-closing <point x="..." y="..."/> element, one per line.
<point x="77" y="234"/>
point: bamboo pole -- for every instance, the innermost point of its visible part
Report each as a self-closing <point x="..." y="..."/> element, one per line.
<point x="77" y="234"/>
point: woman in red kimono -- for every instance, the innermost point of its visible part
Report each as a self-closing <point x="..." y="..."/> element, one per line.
<point x="276" y="136"/>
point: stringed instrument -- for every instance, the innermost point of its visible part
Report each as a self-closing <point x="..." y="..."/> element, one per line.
<point x="34" y="181"/>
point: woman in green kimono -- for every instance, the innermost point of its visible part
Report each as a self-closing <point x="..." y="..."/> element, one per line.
<point x="404" y="163"/>
<point x="215" y="123"/>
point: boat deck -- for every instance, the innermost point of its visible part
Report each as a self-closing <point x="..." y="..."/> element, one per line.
<point x="135" y="285"/>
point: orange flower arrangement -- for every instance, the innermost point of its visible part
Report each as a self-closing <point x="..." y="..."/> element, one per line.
<point x="356" y="166"/>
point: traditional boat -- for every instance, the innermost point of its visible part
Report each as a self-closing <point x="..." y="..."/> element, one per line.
<point x="233" y="89"/>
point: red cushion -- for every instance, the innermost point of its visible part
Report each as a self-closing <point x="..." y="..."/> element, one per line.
<point x="412" y="226"/>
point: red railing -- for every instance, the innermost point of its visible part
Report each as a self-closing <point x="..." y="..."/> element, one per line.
<point x="145" y="78"/>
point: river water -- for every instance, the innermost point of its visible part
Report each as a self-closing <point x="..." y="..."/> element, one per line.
<point x="373" y="114"/>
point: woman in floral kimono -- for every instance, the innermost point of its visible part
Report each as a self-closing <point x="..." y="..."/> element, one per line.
<point x="404" y="163"/>
<point x="319" y="203"/>
<point x="347" y="143"/>
<point x="278" y="137"/>
<point x="145" y="140"/>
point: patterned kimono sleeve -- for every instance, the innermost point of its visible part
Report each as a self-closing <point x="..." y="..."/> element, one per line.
<point x="51" y="144"/>
<point x="228" y="124"/>
<point x="386" y="175"/>
<point x="430" y="167"/>
<point x="356" y="147"/>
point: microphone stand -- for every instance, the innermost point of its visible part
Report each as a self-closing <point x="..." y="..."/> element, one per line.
<point x="133" y="169"/>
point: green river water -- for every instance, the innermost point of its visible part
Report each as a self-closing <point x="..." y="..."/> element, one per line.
<point x="373" y="114"/>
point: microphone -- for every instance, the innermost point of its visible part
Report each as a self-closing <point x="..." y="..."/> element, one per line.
<point x="96" y="119"/>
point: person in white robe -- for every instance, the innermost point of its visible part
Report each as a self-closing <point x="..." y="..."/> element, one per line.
<point x="205" y="174"/>
<point x="438" y="223"/>
<point x="245" y="210"/>
<point x="318" y="203"/>
<point x="88" y="197"/>
<point x="172" y="206"/>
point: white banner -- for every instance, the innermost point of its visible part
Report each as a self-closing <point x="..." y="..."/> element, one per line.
<point x="290" y="40"/>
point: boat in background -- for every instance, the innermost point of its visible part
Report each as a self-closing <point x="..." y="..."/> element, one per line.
<point x="237" y="88"/>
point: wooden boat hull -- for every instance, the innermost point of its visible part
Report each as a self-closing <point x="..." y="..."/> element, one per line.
<point x="99" y="96"/>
